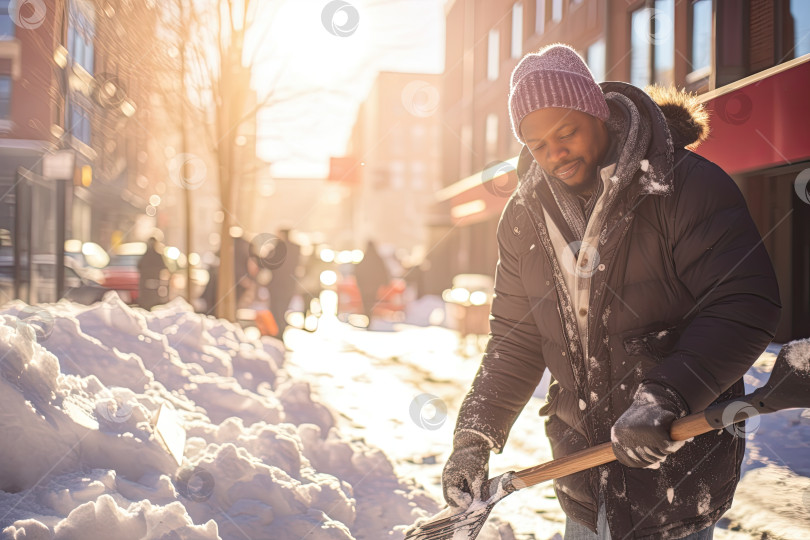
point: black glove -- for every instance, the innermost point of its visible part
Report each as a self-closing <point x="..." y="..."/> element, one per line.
<point x="466" y="472"/>
<point x="641" y="435"/>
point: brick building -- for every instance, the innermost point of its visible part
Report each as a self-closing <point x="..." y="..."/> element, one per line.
<point x="396" y="148"/>
<point x="75" y="77"/>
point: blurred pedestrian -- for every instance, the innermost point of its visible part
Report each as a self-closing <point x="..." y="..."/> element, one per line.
<point x="282" y="261"/>
<point x="414" y="277"/>
<point x="150" y="267"/>
<point x="371" y="274"/>
<point x="310" y="284"/>
<point x="242" y="275"/>
<point x="209" y="295"/>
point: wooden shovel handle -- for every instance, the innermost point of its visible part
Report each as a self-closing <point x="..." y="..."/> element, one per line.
<point x="682" y="429"/>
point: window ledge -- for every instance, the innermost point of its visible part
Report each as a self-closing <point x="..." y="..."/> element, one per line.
<point x="698" y="74"/>
<point x="83" y="148"/>
<point x="10" y="48"/>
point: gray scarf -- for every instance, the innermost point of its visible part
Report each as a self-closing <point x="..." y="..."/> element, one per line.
<point x="630" y="138"/>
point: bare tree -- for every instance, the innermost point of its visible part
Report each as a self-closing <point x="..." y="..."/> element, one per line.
<point x="215" y="63"/>
<point x="220" y="75"/>
<point x="169" y="69"/>
<point x="205" y="85"/>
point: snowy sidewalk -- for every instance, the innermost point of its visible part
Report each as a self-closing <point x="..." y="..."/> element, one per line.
<point x="375" y="378"/>
<point x="400" y="391"/>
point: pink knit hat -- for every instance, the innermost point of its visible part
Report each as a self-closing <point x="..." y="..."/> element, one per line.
<point x="554" y="77"/>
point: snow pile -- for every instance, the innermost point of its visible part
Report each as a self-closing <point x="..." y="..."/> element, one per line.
<point x="80" y="388"/>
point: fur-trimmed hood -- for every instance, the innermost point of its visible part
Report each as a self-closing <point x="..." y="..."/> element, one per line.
<point x="686" y="117"/>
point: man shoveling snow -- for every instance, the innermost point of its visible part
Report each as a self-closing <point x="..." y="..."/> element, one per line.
<point x="632" y="270"/>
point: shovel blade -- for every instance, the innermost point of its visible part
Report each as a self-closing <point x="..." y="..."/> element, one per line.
<point x="463" y="526"/>
<point x="789" y="384"/>
<point x="466" y="524"/>
<point x="788" y="387"/>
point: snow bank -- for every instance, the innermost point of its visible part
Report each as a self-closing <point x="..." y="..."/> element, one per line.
<point x="80" y="388"/>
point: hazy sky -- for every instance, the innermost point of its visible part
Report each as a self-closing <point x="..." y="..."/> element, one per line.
<point x="327" y="76"/>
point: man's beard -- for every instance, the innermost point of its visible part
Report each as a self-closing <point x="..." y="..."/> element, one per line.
<point x="584" y="189"/>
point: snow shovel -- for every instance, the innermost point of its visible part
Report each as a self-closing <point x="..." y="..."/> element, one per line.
<point x="788" y="387"/>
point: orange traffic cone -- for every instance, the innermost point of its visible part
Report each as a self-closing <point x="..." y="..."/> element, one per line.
<point x="266" y="323"/>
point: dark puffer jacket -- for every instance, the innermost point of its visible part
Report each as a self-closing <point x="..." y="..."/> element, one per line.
<point x="684" y="295"/>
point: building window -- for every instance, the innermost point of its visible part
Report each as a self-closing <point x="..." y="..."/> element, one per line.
<point x="556" y="10"/>
<point x="701" y="17"/>
<point x="418" y="174"/>
<point x="595" y="57"/>
<point x="5" y="97"/>
<point x="380" y="179"/>
<point x="652" y="54"/>
<point x="418" y="139"/>
<point x="397" y="175"/>
<point x="466" y="155"/>
<point x="80" y="124"/>
<point x="800" y="11"/>
<point x="491" y="137"/>
<point x="640" y="47"/>
<point x="664" y="41"/>
<point x="6" y="24"/>
<point x="493" y="55"/>
<point x="540" y="17"/>
<point x="80" y="41"/>
<point x="517" y="30"/>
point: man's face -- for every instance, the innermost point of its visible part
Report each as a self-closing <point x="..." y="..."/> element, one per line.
<point x="567" y="144"/>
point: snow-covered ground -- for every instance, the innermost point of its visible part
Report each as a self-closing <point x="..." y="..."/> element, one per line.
<point x="343" y="437"/>
<point x="81" y="457"/>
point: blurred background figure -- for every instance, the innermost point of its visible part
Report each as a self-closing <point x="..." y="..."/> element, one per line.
<point x="282" y="286"/>
<point x="242" y="274"/>
<point x="310" y="282"/>
<point x="209" y="294"/>
<point x="371" y="274"/>
<point x="414" y="276"/>
<point x="150" y="267"/>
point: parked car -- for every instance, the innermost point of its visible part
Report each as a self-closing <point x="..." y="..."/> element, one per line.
<point x="468" y="303"/>
<point x="80" y="285"/>
<point x="121" y="274"/>
<point x="88" y="256"/>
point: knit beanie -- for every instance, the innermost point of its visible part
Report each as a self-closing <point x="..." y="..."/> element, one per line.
<point x="554" y="77"/>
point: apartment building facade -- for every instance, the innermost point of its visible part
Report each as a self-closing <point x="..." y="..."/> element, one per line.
<point x="76" y="77"/>
<point x="396" y="154"/>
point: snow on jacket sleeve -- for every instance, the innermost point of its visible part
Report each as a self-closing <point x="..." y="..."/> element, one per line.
<point x="512" y="364"/>
<point x="719" y="256"/>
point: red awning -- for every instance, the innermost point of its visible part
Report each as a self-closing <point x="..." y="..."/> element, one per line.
<point x="761" y="121"/>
